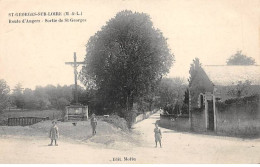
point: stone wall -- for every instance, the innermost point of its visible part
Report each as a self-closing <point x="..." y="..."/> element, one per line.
<point x="242" y="119"/>
<point x="166" y="121"/>
<point x="198" y="121"/>
<point x="175" y="122"/>
<point x="236" y="119"/>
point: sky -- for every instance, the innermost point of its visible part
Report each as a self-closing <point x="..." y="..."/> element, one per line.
<point x="35" y="54"/>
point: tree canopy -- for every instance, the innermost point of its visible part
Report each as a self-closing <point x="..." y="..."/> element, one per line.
<point x="42" y="97"/>
<point x="240" y="89"/>
<point x="4" y="94"/>
<point x="240" y="59"/>
<point x="126" y="59"/>
<point x="171" y="90"/>
<point x="170" y="94"/>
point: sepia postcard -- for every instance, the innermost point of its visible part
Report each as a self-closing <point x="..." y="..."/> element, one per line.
<point x="129" y="82"/>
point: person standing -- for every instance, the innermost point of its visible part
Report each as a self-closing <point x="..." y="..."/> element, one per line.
<point x="157" y="135"/>
<point x="93" y="123"/>
<point x="54" y="133"/>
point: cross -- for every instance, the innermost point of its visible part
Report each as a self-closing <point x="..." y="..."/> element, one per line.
<point x="75" y="64"/>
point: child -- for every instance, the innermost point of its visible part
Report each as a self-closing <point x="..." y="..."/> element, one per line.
<point x="157" y="135"/>
<point x="93" y="124"/>
<point x="54" y="133"/>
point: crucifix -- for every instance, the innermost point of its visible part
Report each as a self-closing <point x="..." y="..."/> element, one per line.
<point x="75" y="64"/>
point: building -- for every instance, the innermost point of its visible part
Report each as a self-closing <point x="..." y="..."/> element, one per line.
<point x="212" y="86"/>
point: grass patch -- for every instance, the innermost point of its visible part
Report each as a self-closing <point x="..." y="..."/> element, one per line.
<point x="116" y="121"/>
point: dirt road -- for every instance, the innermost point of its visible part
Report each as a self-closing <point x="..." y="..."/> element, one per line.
<point x="195" y="148"/>
<point x="177" y="148"/>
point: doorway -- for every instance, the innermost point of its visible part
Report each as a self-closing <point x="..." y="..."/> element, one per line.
<point x="210" y="115"/>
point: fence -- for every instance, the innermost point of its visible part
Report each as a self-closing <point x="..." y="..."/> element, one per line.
<point x="24" y="121"/>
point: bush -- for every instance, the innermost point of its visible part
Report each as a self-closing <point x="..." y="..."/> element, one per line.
<point x="198" y="110"/>
<point x="223" y="106"/>
<point x="185" y="109"/>
<point x="117" y="121"/>
<point x="243" y="100"/>
<point x="168" y="109"/>
<point x="129" y="116"/>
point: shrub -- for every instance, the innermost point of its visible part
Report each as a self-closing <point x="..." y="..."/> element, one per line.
<point x="185" y="109"/>
<point x="243" y="100"/>
<point x="223" y="106"/>
<point x="129" y="116"/>
<point x="117" y="121"/>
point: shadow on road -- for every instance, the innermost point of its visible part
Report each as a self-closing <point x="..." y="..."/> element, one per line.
<point x="170" y="132"/>
<point x="46" y="145"/>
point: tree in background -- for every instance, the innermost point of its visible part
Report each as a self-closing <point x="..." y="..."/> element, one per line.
<point x="62" y="103"/>
<point x="18" y="98"/>
<point x="42" y="98"/>
<point x="30" y="101"/>
<point x="54" y="93"/>
<point x="4" y="95"/>
<point x="240" y="89"/>
<point x="240" y="59"/>
<point x="171" y="92"/>
<point x="126" y="60"/>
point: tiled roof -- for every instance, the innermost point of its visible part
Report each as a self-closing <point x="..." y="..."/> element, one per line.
<point x="227" y="75"/>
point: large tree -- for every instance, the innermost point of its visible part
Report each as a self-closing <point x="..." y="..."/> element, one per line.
<point x="4" y="94"/>
<point x="126" y="59"/>
<point x="240" y="59"/>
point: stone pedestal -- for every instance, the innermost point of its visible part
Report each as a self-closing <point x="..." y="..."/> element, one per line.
<point x="76" y="112"/>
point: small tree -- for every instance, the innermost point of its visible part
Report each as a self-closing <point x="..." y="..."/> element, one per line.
<point x="240" y="59"/>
